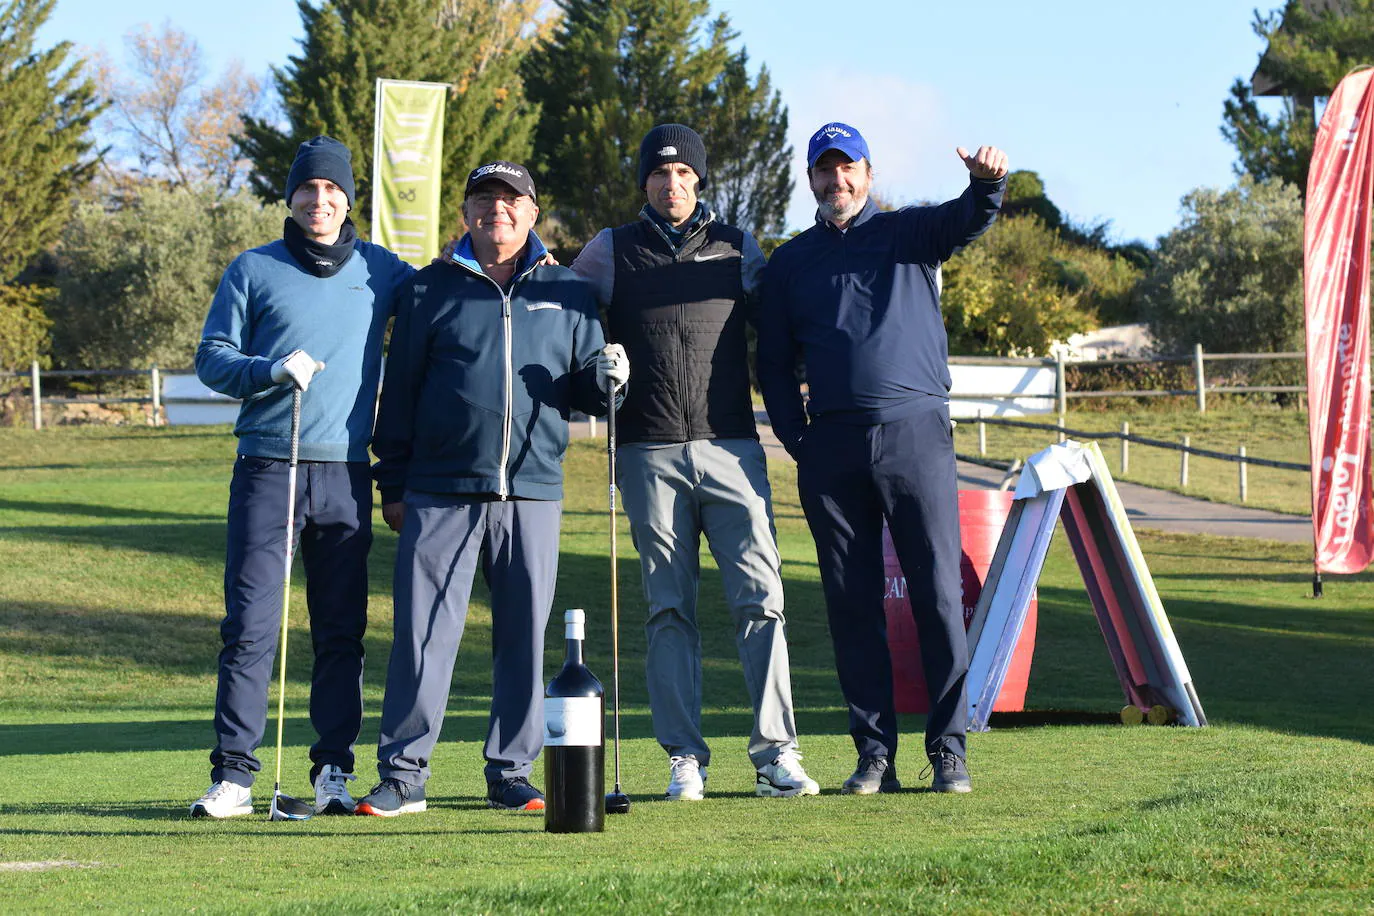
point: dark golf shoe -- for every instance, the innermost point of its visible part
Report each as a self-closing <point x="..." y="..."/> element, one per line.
<point x="514" y="794"/>
<point x="391" y="797"/>
<point x="951" y="773"/>
<point x="873" y="774"/>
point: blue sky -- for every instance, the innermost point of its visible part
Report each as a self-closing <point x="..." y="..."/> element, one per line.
<point x="1116" y="105"/>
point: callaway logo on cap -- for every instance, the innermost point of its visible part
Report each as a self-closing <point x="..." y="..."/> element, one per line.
<point x="516" y="176"/>
<point x="836" y="136"/>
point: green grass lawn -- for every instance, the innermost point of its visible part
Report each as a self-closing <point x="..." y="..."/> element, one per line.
<point x="111" y="546"/>
<point x="1266" y="431"/>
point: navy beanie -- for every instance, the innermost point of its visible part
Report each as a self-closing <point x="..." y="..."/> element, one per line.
<point x="322" y="157"/>
<point x="671" y="143"/>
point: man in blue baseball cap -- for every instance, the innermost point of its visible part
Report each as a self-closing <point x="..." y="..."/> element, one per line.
<point x="857" y="298"/>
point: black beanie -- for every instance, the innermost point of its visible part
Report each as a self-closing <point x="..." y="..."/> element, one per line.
<point x="322" y="157"/>
<point x="671" y="143"/>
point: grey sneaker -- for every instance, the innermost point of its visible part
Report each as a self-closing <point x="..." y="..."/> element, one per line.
<point x="951" y="773"/>
<point x="331" y="791"/>
<point x="391" y="797"/>
<point x="874" y="774"/>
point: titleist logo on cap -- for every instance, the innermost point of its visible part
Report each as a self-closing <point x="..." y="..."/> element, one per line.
<point x="668" y="151"/>
<point x="495" y="167"/>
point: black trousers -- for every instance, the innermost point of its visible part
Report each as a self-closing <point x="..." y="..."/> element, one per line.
<point x="334" y="528"/>
<point x="849" y="479"/>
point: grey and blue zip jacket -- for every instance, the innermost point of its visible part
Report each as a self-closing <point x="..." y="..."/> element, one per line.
<point x="480" y="380"/>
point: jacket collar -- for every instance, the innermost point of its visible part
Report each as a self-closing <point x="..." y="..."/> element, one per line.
<point x="870" y="208"/>
<point x="464" y="256"/>
<point x="699" y="220"/>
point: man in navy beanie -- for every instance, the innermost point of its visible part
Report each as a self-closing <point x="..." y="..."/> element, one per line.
<point x="679" y="288"/>
<point x="317" y="297"/>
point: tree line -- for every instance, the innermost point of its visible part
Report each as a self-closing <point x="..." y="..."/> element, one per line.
<point x="125" y="188"/>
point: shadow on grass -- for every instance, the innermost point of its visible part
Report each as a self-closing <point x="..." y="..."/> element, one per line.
<point x="93" y="510"/>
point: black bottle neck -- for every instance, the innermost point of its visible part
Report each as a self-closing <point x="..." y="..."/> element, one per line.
<point x="574" y="652"/>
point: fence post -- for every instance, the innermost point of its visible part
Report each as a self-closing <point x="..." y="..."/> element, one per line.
<point x="156" y="381"/>
<point x="1060" y="395"/>
<point x="1183" y="465"/>
<point x="1244" y="487"/>
<point x="1125" y="448"/>
<point x="1201" y="379"/>
<point x="36" y="388"/>
<point x="982" y="435"/>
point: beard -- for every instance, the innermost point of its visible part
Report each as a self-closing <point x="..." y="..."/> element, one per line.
<point x="837" y="212"/>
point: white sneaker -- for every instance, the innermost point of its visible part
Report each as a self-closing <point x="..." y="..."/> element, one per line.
<point x="688" y="782"/>
<point x="784" y="777"/>
<point x="223" y="799"/>
<point x="331" y="791"/>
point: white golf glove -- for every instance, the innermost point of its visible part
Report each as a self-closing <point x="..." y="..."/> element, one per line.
<point x="298" y="367"/>
<point x="612" y="365"/>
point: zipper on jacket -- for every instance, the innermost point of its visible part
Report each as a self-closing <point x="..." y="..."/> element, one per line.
<point x="508" y="407"/>
<point x="684" y="418"/>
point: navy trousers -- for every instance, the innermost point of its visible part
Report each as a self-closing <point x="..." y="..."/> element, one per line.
<point x="334" y="531"/>
<point x="444" y="540"/>
<point x="849" y="479"/>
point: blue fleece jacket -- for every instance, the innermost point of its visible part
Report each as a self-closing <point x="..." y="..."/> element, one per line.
<point x="480" y="380"/>
<point x="861" y="308"/>
<point x="265" y="307"/>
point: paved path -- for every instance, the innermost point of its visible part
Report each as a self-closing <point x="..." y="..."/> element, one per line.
<point x="1148" y="508"/>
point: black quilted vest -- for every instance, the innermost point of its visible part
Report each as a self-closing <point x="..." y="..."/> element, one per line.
<point x="681" y="318"/>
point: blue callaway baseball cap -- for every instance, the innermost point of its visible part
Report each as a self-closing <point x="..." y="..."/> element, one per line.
<point x="838" y="136"/>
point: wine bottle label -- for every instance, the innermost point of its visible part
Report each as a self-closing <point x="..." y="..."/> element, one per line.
<point x="572" y="721"/>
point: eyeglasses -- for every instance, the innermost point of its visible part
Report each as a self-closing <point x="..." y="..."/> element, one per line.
<point x="486" y="201"/>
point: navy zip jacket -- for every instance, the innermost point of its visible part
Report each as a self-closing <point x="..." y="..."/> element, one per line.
<point x="861" y="309"/>
<point x="479" y="380"/>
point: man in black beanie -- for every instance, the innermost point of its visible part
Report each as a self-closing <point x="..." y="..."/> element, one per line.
<point x="318" y="296"/>
<point x="679" y="286"/>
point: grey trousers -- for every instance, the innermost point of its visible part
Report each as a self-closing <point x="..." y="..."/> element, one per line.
<point x="443" y="541"/>
<point x="674" y="493"/>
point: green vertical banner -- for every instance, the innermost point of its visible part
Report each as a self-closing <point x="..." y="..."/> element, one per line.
<point x="406" y="164"/>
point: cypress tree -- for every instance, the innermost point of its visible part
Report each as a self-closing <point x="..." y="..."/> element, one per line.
<point x="48" y="104"/>
<point x="611" y="70"/>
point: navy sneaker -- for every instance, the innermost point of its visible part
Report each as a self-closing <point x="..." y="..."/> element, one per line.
<point x="951" y="773"/>
<point x="514" y="794"/>
<point x="391" y="797"/>
<point x="875" y="773"/>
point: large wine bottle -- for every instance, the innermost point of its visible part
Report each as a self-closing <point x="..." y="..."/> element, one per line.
<point x="574" y="741"/>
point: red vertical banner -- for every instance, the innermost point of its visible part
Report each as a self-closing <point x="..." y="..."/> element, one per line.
<point x="1336" y="237"/>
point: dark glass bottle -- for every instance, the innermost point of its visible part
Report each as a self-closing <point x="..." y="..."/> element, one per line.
<point x="574" y="742"/>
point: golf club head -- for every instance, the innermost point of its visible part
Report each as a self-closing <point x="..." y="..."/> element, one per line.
<point x="617" y="803"/>
<point x="286" y="808"/>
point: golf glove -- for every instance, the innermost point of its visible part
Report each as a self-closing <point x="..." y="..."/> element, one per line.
<point x="612" y="365"/>
<point x="298" y="367"/>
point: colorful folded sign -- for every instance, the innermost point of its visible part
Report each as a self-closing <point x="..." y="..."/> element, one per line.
<point x="1070" y="482"/>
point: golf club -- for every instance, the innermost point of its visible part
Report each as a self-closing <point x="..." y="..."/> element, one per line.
<point x="617" y="802"/>
<point x="284" y="807"/>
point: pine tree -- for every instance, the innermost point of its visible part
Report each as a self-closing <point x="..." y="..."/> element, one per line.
<point x="330" y="87"/>
<point x="1309" y="53"/>
<point x="615" y="68"/>
<point x="46" y="108"/>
